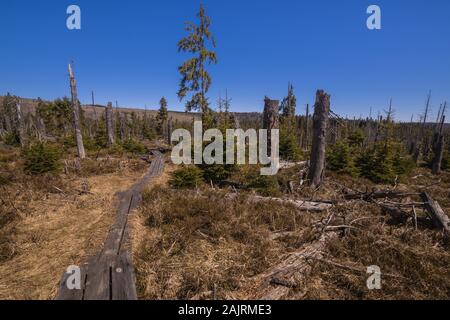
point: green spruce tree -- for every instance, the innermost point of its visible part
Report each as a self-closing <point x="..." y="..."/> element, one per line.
<point x="162" y="115"/>
<point x="194" y="76"/>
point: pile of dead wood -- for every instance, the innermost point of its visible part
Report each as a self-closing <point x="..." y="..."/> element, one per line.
<point x="277" y="282"/>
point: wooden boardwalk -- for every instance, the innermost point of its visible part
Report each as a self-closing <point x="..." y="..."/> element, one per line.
<point x="109" y="275"/>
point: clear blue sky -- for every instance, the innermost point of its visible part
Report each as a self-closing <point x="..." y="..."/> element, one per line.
<point x="127" y="51"/>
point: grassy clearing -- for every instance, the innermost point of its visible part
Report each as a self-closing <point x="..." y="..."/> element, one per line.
<point x="191" y="243"/>
<point x="195" y="243"/>
<point x="46" y="224"/>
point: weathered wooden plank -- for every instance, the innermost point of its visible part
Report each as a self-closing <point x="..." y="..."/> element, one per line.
<point x="98" y="279"/>
<point x="123" y="278"/>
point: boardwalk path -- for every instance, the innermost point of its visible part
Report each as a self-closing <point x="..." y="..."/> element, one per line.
<point x="110" y="274"/>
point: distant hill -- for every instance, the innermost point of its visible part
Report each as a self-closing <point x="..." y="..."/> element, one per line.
<point x="29" y="105"/>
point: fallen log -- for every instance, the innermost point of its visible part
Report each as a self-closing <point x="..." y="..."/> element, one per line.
<point x="378" y="195"/>
<point x="288" y="165"/>
<point x="293" y="272"/>
<point x="440" y="219"/>
<point x="301" y="205"/>
<point x="396" y="213"/>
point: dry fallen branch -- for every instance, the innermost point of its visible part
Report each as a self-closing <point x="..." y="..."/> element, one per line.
<point x="378" y="195"/>
<point x="440" y="219"/>
<point x="301" y="205"/>
<point x="276" y="283"/>
<point x="288" y="165"/>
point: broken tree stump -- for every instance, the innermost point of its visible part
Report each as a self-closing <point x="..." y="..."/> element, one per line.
<point x="320" y="122"/>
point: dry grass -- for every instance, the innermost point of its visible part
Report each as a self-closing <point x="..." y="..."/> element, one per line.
<point x="190" y="244"/>
<point x="54" y="226"/>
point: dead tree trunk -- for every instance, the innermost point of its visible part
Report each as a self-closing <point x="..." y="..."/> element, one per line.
<point x="305" y="144"/>
<point x="320" y="122"/>
<point x="169" y="131"/>
<point x="122" y="127"/>
<point x="420" y="145"/>
<point x="270" y="118"/>
<point x="40" y="125"/>
<point x="20" y="124"/>
<point x="76" y="115"/>
<point x="109" y="125"/>
<point x="440" y="219"/>
<point x="438" y="149"/>
<point x="292" y="273"/>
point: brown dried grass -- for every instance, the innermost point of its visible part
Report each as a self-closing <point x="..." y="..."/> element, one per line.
<point x="190" y="245"/>
<point x="53" y="228"/>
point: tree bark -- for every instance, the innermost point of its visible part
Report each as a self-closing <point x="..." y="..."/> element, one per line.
<point x="440" y="219"/>
<point x="320" y="122"/>
<point x="438" y="149"/>
<point x="292" y="273"/>
<point x="270" y="119"/>
<point x="169" y="131"/>
<point x="20" y="124"/>
<point x="76" y="115"/>
<point x="122" y="127"/>
<point x="306" y="128"/>
<point x="109" y="125"/>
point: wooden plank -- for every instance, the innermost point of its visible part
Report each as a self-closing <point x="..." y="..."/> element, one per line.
<point x="98" y="280"/>
<point x="440" y="219"/>
<point x="123" y="279"/>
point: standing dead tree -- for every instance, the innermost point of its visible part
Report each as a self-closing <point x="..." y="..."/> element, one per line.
<point x="305" y="143"/>
<point x="123" y="126"/>
<point x="438" y="148"/>
<point x="320" y="122"/>
<point x="420" y="146"/>
<point x="109" y="125"/>
<point x="169" y="131"/>
<point x="20" y="127"/>
<point x="76" y="114"/>
<point x="270" y="118"/>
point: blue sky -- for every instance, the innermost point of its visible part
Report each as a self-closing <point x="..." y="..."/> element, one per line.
<point x="127" y="51"/>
